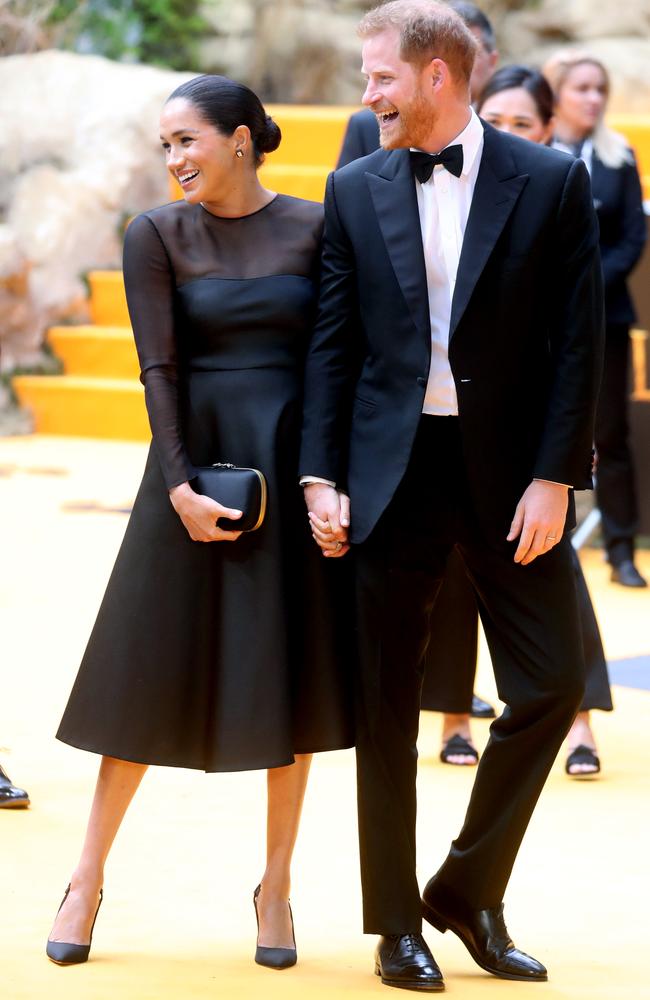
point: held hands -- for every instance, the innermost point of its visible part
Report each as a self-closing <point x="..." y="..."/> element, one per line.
<point x="199" y="514"/>
<point x="329" y="518"/>
<point x="539" y="520"/>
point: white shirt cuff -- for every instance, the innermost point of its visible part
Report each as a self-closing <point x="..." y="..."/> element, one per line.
<point x="306" y="480"/>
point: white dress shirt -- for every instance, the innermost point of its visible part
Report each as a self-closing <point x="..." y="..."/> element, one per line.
<point x="444" y="202"/>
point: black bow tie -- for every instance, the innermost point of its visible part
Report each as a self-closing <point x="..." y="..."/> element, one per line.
<point x="423" y="163"/>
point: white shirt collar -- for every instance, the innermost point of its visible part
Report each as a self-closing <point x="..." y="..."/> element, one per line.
<point x="471" y="139"/>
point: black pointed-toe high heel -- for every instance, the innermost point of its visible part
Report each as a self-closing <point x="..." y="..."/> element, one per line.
<point x="274" y="958"/>
<point x="63" y="953"/>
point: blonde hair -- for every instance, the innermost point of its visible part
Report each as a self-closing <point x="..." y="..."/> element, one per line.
<point x="427" y="30"/>
<point x="610" y="147"/>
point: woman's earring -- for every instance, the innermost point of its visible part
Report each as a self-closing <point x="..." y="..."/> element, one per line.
<point x="239" y="153"/>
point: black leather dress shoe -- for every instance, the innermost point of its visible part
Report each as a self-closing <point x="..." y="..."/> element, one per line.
<point x="404" y="960"/>
<point x="628" y="575"/>
<point x="483" y="932"/>
<point x="481" y="709"/>
<point x="10" y="796"/>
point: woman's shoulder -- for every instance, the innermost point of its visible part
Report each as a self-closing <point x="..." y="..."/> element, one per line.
<point x="159" y="222"/>
<point x="299" y="209"/>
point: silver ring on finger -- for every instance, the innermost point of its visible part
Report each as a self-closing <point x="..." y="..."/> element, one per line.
<point x="338" y="547"/>
<point x="551" y="538"/>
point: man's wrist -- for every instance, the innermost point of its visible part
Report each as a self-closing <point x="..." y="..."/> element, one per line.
<point x="314" y="480"/>
<point x="551" y="482"/>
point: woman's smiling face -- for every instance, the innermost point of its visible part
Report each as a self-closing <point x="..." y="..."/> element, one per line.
<point x="198" y="156"/>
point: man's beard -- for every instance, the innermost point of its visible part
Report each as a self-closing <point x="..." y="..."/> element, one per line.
<point x="416" y="121"/>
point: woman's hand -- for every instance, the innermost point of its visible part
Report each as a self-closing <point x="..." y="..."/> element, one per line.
<point x="329" y="518"/>
<point x="199" y="514"/>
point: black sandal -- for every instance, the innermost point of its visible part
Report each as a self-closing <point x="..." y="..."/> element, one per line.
<point x="458" y="746"/>
<point x="582" y="755"/>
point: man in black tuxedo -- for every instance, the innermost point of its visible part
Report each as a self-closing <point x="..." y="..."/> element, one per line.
<point x="450" y="391"/>
<point x="362" y="132"/>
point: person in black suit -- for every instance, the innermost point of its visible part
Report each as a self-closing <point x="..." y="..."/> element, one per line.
<point x="581" y="85"/>
<point x="451" y="665"/>
<point x="450" y="387"/>
<point x="362" y="134"/>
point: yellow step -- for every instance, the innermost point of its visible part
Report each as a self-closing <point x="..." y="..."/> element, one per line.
<point x="78" y="406"/>
<point x="108" y="299"/>
<point x="636" y="129"/>
<point x="299" y="181"/>
<point x="101" y="351"/>
<point x="310" y="135"/>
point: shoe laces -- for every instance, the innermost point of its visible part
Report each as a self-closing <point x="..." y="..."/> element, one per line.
<point x="409" y="942"/>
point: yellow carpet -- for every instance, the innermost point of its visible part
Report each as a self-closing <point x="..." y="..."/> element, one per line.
<point x="177" y="920"/>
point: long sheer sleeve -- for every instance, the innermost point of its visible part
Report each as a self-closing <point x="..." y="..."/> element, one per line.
<point x="149" y="281"/>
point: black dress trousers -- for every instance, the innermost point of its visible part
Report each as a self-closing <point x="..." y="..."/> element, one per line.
<point x="615" y="483"/>
<point x="450" y="660"/>
<point x="530" y="617"/>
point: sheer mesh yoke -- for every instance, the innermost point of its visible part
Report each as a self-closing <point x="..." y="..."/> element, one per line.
<point x="166" y="252"/>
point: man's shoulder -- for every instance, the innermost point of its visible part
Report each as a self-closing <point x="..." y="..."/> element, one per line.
<point x="372" y="163"/>
<point x="529" y="157"/>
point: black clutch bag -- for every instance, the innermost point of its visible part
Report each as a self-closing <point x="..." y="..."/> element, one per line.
<point x="232" y="486"/>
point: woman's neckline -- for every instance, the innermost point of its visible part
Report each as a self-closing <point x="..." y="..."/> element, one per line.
<point x="237" y="218"/>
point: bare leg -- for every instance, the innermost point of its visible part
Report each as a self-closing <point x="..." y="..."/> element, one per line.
<point x="117" y="783"/>
<point x="581" y="734"/>
<point x="457" y="724"/>
<point x="286" y="792"/>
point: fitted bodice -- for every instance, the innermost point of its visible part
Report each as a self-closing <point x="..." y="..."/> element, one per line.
<point x="208" y="293"/>
<point x="244" y="322"/>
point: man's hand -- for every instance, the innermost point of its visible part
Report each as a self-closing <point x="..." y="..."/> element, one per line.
<point x="539" y="520"/>
<point x="329" y="518"/>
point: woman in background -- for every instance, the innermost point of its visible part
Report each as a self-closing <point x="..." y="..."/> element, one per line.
<point x="581" y="87"/>
<point x="520" y="101"/>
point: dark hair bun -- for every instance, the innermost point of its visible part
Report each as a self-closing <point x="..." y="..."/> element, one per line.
<point x="269" y="138"/>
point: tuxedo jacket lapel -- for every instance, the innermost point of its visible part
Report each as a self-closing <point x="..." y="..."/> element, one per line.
<point x="392" y="190"/>
<point x="497" y="189"/>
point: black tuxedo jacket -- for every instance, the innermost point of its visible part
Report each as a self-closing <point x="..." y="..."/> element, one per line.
<point x="361" y="137"/>
<point x="525" y="338"/>
<point x="619" y="206"/>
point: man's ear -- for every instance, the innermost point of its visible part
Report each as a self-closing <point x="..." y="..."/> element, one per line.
<point x="438" y="73"/>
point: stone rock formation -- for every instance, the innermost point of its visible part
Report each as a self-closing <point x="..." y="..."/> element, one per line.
<point x="307" y="51"/>
<point x="80" y="153"/>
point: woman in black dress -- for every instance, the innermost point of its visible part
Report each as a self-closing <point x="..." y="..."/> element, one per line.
<point x="214" y="649"/>
<point x="581" y="86"/>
